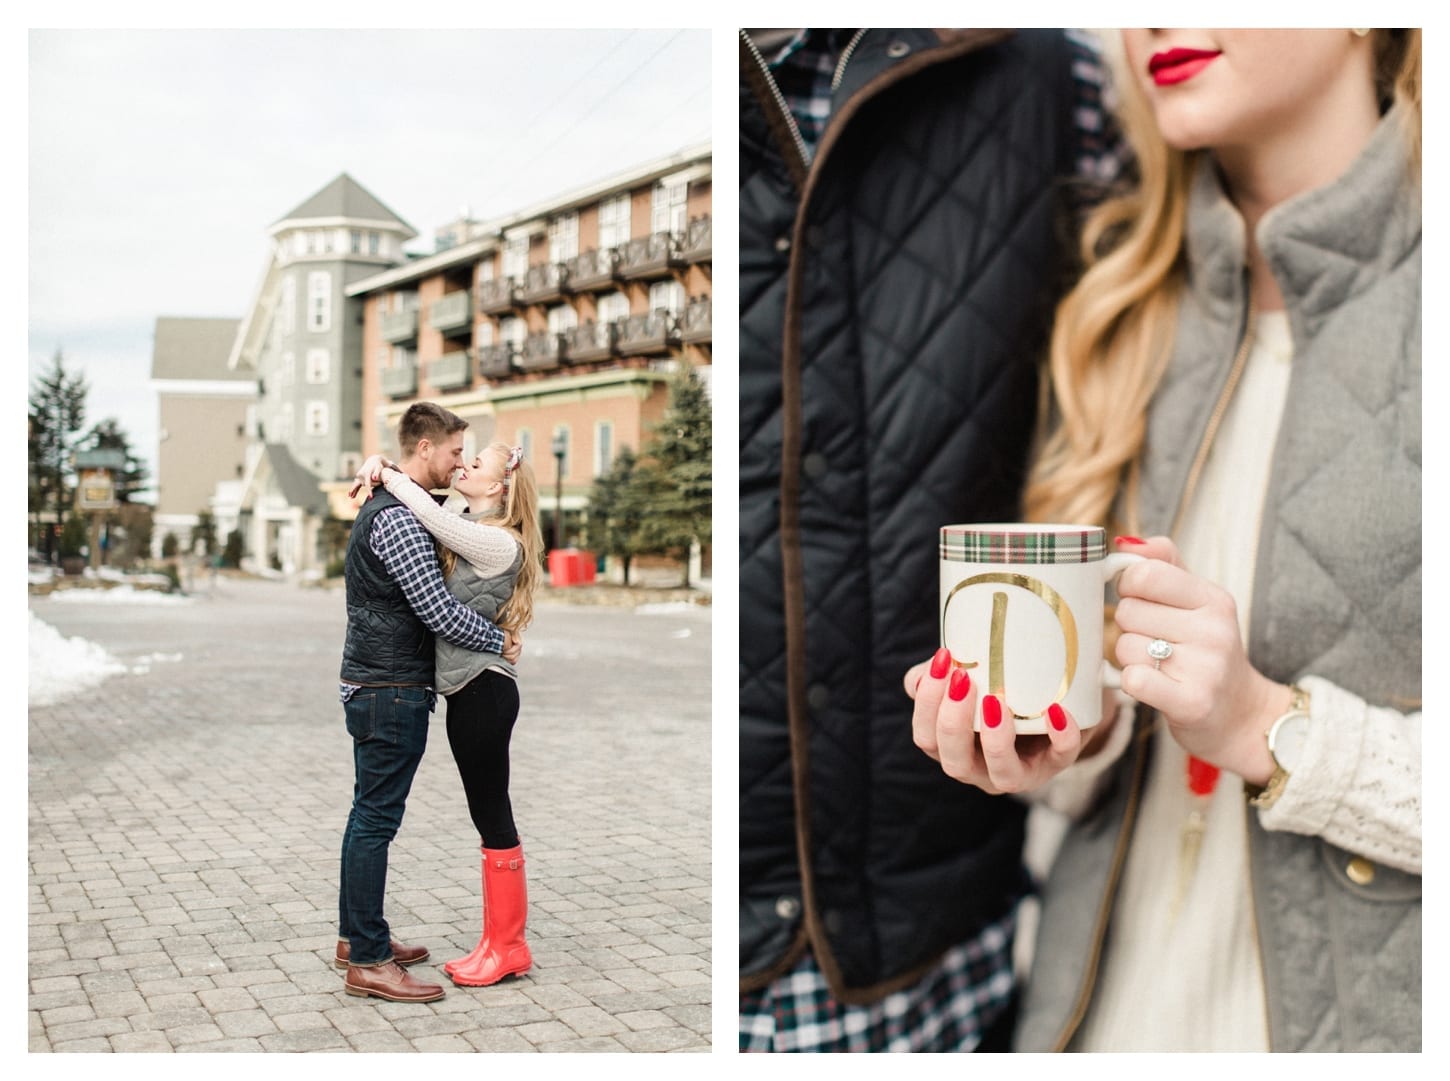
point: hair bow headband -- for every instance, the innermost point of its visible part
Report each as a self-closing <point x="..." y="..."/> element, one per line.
<point x="515" y="457"/>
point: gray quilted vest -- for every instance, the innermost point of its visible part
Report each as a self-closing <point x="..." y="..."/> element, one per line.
<point x="458" y="666"/>
<point x="1341" y="959"/>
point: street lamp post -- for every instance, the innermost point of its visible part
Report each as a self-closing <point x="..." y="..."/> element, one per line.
<point x="560" y="447"/>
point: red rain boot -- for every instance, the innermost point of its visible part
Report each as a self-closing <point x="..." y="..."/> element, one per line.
<point x="472" y="959"/>
<point x="505" y="907"/>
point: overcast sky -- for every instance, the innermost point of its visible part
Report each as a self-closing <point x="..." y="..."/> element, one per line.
<point x="159" y="158"/>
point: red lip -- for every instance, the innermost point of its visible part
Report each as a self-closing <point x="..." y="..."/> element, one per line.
<point x="1179" y="65"/>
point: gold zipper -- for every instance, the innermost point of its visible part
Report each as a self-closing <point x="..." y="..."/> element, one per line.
<point x="795" y="131"/>
<point x="1216" y="418"/>
<point x="845" y="59"/>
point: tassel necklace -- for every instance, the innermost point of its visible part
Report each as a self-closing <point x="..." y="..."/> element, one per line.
<point x="1202" y="779"/>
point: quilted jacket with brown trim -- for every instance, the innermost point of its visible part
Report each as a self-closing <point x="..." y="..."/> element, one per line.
<point x="895" y="295"/>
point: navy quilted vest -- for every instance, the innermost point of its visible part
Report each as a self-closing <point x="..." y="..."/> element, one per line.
<point x="386" y="642"/>
<point x="895" y="299"/>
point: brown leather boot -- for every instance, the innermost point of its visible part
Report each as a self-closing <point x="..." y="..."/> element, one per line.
<point x="390" y="981"/>
<point x="404" y="955"/>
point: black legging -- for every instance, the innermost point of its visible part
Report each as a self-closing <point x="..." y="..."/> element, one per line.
<point x="480" y="720"/>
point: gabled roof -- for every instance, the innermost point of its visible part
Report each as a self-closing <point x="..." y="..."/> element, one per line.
<point x="194" y="349"/>
<point x="343" y="198"/>
<point x="298" y="485"/>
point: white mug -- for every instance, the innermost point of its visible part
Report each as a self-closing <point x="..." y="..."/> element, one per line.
<point x="1022" y="610"/>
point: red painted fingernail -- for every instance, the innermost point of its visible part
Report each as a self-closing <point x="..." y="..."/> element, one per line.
<point x="1129" y="540"/>
<point x="940" y="662"/>
<point x="991" y="711"/>
<point x="1056" y="716"/>
<point x="961" y="683"/>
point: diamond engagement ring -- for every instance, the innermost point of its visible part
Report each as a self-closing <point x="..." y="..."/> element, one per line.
<point x="1160" y="651"/>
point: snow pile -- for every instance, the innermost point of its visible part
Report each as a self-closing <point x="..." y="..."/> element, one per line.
<point x="117" y="595"/>
<point x="61" y="667"/>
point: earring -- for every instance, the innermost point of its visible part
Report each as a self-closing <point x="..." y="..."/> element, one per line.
<point x="1360" y="33"/>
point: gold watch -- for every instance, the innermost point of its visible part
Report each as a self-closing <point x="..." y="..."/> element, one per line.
<point x="1286" y="738"/>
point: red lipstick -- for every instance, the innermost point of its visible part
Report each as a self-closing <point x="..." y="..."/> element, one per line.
<point x="1179" y="65"/>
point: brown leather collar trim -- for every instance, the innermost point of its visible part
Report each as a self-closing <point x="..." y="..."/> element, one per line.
<point x="792" y="563"/>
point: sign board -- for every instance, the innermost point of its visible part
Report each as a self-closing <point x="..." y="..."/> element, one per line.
<point x="97" y="490"/>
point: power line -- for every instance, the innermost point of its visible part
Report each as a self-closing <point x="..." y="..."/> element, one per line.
<point x="600" y="101"/>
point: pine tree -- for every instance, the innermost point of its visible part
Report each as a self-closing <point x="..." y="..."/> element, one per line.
<point x="57" y="413"/>
<point x="618" y="507"/>
<point x="680" y="449"/>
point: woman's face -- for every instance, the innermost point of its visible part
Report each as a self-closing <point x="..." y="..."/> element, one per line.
<point x="1218" y="89"/>
<point x="482" y="478"/>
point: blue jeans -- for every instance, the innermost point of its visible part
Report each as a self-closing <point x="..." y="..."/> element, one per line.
<point x="389" y="729"/>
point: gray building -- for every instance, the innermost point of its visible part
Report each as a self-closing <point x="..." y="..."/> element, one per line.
<point x="301" y="341"/>
<point x="203" y="408"/>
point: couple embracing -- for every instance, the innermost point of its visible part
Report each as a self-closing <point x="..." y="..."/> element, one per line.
<point x="436" y="603"/>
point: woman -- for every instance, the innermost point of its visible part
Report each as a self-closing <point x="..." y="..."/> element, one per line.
<point x="1236" y="377"/>
<point x="490" y="557"/>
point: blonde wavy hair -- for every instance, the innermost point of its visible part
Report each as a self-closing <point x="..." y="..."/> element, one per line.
<point x="519" y="514"/>
<point x="1114" y="331"/>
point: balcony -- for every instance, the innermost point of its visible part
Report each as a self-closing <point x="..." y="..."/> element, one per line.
<point x="594" y="269"/>
<point x="496" y="361"/>
<point x="695" y="322"/>
<point x="452" y="313"/>
<point x="592" y="341"/>
<point x="400" y="381"/>
<point x="400" y="326"/>
<point x="450" y="371"/>
<point x="652" y="256"/>
<point x="542" y="351"/>
<point x="545" y="282"/>
<point x="696" y="245"/>
<point x="653" y="332"/>
<point x="496" y="296"/>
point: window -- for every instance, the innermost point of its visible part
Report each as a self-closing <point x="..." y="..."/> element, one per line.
<point x="316" y="418"/>
<point x="667" y="210"/>
<point x="516" y="257"/>
<point x="603" y="446"/>
<point x="485" y="270"/>
<point x="385" y="356"/>
<point x="355" y="239"/>
<point x="560" y="440"/>
<point x="513" y="330"/>
<point x="319" y="301"/>
<point x="287" y="310"/>
<point x="612" y="307"/>
<point x="372" y="242"/>
<point x="483" y="334"/>
<point x="404" y="357"/>
<point x="562" y="318"/>
<point x="318" y="366"/>
<point x="614" y="221"/>
<point x="667" y="295"/>
<point x="563" y="238"/>
<point x="525" y="438"/>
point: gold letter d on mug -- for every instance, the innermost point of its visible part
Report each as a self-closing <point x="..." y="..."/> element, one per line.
<point x="996" y="664"/>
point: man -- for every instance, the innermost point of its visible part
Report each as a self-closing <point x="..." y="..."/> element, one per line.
<point x="901" y="244"/>
<point x="396" y="603"/>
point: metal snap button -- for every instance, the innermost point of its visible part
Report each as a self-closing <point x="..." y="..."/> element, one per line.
<point x="897" y="49"/>
<point x="813" y="465"/>
<point x="1360" y="871"/>
<point x="787" y="908"/>
<point x="782" y="243"/>
<point x="818" y="696"/>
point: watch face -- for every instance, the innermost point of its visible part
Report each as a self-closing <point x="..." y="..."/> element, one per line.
<point x="1287" y="746"/>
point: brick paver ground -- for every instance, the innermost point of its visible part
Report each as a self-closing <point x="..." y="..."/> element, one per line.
<point x="185" y="819"/>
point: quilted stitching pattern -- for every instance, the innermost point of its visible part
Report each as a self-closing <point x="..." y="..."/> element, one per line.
<point x="926" y="252"/>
